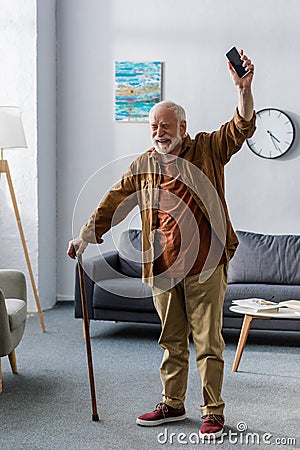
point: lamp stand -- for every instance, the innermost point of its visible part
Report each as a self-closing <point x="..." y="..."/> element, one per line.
<point x="4" y="168"/>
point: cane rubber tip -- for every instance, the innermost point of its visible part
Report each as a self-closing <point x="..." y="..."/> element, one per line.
<point x="95" y="418"/>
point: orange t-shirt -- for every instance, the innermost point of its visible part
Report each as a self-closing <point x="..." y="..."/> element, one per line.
<point x="184" y="234"/>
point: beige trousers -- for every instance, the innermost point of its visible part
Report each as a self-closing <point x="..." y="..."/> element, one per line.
<point x="196" y="308"/>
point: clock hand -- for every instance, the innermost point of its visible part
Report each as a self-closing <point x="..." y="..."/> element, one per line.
<point x="272" y="136"/>
<point x="274" y="143"/>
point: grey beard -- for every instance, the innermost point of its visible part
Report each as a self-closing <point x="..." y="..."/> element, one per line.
<point x="177" y="140"/>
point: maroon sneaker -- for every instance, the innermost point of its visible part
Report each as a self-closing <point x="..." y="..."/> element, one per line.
<point x="212" y="427"/>
<point x="163" y="413"/>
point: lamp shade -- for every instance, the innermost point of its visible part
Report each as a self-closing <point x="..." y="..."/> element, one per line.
<point x="11" y="128"/>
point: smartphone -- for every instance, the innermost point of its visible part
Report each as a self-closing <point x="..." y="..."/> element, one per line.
<point x="235" y="59"/>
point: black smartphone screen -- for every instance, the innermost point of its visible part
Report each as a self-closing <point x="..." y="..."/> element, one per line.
<point x="235" y="59"/>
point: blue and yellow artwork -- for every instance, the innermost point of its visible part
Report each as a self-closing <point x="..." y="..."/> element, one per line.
<point x="138" y="88"/>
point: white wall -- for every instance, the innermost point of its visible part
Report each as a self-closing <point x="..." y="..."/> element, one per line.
<point x="18" y="87"/>
<point x="27" y="79"/>
<point x="46" y="162"/>
<point x="191" y="39"/>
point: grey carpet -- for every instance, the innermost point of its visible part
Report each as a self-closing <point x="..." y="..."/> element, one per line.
<point x="47" y="406"/>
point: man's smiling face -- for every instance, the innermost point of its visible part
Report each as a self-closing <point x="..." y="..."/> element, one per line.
<point x="166" y="131"/>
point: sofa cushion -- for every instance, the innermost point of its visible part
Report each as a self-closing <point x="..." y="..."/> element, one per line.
<point x="129" y="294"/>
<point x="274" y="292"/>
<point x="130" y="253"/>
<point x="269" y="259"/>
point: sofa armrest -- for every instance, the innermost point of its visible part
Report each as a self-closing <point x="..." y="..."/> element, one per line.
<point x="96" y="269"/>
<point x="13" y="284"/>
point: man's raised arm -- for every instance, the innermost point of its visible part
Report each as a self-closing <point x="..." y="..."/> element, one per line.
<point x="245" y="97"/>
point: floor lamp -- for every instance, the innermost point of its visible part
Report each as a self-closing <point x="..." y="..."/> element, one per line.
<point x="12" y="136"/>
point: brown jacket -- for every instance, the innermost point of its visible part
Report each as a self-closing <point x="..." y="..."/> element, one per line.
<point x="201" y="165"/>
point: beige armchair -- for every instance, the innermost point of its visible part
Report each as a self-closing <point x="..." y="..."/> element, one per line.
<point x="13" y="312"/>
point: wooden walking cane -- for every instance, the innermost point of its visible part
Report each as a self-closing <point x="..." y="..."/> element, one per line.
<point x="95" y="416"/>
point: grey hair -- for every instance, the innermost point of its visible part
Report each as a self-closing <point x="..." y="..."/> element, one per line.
<point x="176" y="109"/>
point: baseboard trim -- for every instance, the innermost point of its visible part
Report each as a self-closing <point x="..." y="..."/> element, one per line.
<point x="64" y="298"/>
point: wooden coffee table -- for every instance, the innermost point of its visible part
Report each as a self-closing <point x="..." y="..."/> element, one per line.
<point x="283" y="313"/>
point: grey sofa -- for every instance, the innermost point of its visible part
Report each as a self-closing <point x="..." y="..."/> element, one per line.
<point x="265" y="266"/>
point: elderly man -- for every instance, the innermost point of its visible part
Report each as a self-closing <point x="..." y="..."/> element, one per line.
<point x="187" y="242"/>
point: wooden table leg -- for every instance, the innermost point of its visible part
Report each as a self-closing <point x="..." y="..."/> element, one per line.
<point x="242" y="341"/>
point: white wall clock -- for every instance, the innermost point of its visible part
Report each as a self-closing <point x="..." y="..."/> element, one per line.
<point x="274" y="134"/>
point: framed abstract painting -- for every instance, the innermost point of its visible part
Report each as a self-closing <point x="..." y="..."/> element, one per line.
<point x="138" y="86"/>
